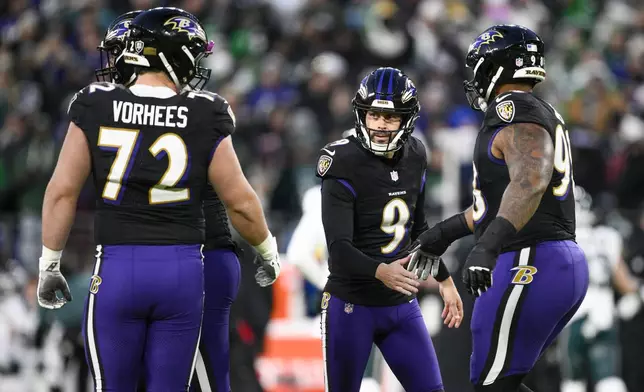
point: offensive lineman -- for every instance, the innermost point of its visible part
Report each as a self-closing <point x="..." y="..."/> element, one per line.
<point x="221" y="266"/>
<point x="151" y="150"/>
<point x="527" y="272"/>
<point x="372" y="210"/>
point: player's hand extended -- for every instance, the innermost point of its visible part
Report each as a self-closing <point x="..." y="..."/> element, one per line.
<point x="396" y="277"/>
<point x="423" y="264"/>
<point x="453" y="311"/>
<point x="477" y="272"/>
<point x="50" y="280"/>
<point x="268" y="270"/>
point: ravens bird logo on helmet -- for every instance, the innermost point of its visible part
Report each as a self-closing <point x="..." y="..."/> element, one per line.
<point x="184" y="25"/>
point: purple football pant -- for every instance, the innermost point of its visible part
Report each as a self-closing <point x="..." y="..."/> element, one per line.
<point x="534" y="293"/>
<point x="222" y="275"/>
<point x="143" y="316"/>
<point x="349" y="331"/>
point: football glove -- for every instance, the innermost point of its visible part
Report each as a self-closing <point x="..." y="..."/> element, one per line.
<point x="423" y="264"/>
<point x="50" y="280"/>
<point x="268" y="262"/>
<point x="477" y="272"/>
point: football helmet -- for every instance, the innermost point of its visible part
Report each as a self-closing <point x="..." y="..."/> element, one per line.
<point x="170" y="40"/>
<point x="111" y="48"/>
<point x="386" y="90"/>
<point x="503" y="54"/>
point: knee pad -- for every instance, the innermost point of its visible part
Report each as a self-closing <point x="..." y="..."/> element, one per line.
<point x="610" y="384"/>
<point x="505" y="384"/>
<point x="573" y="386"/>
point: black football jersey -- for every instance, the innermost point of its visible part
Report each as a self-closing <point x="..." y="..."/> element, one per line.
<point x="555" y="216"/>
<point x="150" y="159"/>
<point x="386" y="194"/>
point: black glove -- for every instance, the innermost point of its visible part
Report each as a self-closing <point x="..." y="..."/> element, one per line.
<point x="477" y="272"/>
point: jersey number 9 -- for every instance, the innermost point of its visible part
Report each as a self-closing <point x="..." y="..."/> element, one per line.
<point x="126" y="144"/>
<point x="395" y="216"/>
<point x="563" y="162"/>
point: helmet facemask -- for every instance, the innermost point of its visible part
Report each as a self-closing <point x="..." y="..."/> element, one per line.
<point x="108" y="53"/>
<point x="397" y="138"/>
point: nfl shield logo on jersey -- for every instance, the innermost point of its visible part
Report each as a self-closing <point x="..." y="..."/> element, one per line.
<point x="394" y="176"/>
<point x="348" y="308"/>
<point x="505" y="110"/>
<point x="324" y="163"/>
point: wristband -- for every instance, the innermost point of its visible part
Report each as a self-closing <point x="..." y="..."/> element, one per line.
<point x="443" y="273"/>
<point x="268" y="248"/>
<point x="496" y="234"/>
<point x="50" y="259"/>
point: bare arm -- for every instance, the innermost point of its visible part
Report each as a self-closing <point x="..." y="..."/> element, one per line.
<point x="528" y="152"/>
<point x="59" y="205"/>
<point x="242" y="204"/>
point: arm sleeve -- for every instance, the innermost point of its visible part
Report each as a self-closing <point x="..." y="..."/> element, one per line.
<point x="337" y="217"/>
<point x="420" y="222"/>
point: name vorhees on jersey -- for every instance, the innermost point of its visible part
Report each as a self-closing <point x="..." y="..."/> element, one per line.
<point x="150" y="115"/>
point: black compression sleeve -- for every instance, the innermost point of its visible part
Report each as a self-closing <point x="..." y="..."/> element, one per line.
<point x="337" y="217"/>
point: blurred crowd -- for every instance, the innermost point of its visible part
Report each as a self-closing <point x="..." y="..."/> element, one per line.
<point x="289" y="69"/>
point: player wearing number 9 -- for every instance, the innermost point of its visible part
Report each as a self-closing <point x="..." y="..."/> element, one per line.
<point x="373" y="187"/>
<point x="151" y="149"/>
<point x="527" y="272"/>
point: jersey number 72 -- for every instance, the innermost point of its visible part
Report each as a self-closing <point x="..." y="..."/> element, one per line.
<point x="126" y="143"/>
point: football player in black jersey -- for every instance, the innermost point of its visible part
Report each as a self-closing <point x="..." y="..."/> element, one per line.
<point x="373" y="188"/>
<point x="527" y="272"/>
<point x="151" y="149"/>
<point x="222" y="271"/>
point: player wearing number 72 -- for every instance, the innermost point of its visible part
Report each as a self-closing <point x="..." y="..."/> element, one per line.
<point x="151" y="150"/>
<point x="373" y="187"/>
<point x="527" y="272"/>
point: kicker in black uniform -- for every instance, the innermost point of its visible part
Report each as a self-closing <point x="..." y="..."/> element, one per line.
<point x="373" y="188"/>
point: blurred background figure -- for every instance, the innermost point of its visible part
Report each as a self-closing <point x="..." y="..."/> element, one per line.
<point x="288" y="68"/>
<point x="590" y="341"/>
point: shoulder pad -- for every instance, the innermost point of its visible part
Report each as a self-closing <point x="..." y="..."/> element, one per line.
<point x="517" y="107"/>
<point x="334" y="159"/>
<point x="83" y="100"/>
<point x="418" y="148"/>
<point x="224" y="118"/>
